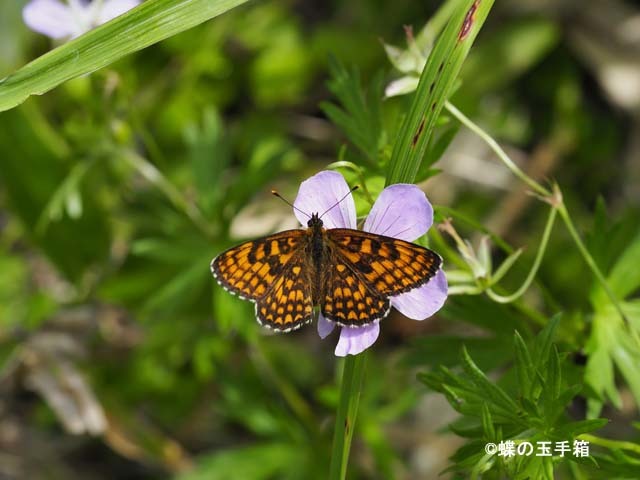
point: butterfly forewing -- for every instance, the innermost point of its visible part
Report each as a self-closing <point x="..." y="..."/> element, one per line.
<point x="252" y="268"/>
<point x="388" y="266"/>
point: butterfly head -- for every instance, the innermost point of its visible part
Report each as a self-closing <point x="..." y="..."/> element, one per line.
<point x="314" y="221"/>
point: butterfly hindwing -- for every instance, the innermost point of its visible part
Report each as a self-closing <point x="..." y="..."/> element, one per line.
<point x="347" y="300"/>
<point x="288" y="304"/>
<point x="251" y="269"/>
<point x="388" y="266"/>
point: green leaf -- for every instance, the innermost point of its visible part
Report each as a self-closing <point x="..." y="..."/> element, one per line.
<point x="540" y="468"/>
<point x="551" y="390"/>
<point x="487" y="423"/>
<point x="497" y="318"/>
<point x="610" y="235"/>
<point x="360" y="117"/>
<point x="624" y="277"/>
<point x="599" y="373"/>
<point x="181" y="289"/>
<point x="492" y="392"/>
<point x="626" y="356"/>
<point x="436" y="83"/>
<point x="610" y="343"/>
<point x="34" y="197"/>
<point x="493" y="410"/>
<point x="544" y="341"/>
<point x="209" y="156"/>
<point x="61" y="198"/>
<point x="574" y="429"/>
<point x="267" y="461"/>
<point x="437" y="146"/>
<point x="488" y="353"/>
<point x="524" y="366"/>
<point x="145" y="25"/>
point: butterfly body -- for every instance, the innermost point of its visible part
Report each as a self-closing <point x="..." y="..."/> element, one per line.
<point x="349" y="274"/>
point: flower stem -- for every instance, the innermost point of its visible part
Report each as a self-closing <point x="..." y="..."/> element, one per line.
<point x="557" y="202"/>
<point x="352" y="375"/>
<point x="564" y="214"/>
<point x="535" y="186"/>
<point x="536" y="264"/>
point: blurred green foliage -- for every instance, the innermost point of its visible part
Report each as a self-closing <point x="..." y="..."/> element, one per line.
<point x="117" y="188"/>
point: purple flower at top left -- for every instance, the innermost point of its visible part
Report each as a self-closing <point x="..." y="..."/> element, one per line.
<point x="62" y="20"/>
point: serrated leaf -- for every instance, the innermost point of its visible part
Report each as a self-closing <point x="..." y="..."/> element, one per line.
<point x="551" y="386"/>
<point x="554" y="376"/>
<point x="487" y="423"/>
<point x="539" y="468"/>
<point x="493" y="393"/>
<point x="530" y="408"/>
<point x="359" y="113"/>
<point x="523" y="364"/>
<point x="568" y="394"/>
<point x="624" y="277"/>
<point x="544" y="340"/>
<point x="574" y="429"/>
<point x="626" y="357"/>
<point x="599" y="371"/>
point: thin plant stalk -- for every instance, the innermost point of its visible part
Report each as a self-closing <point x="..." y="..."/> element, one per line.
<point x="436" y="81"/>
<point x="544" y="193"/>
<point x="352" y="379"/>
<point x="536" y="264"/>
<point x="502" y="155"/>
<point x="155" y="177"/>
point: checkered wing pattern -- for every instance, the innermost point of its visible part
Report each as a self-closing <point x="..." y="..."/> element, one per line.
<point x="368" y="268"/>
<point x="288" y="305"/>
<point x="353" y="275"/>
<point x="347" y="300"/>
<point x="271" y="272"/>
<point x="251" y="268"/>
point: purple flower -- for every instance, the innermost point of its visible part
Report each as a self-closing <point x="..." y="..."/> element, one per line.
<point x="401" y="211"/>
<point x="59" y="20"/>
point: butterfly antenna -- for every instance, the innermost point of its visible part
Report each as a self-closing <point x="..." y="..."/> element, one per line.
<point x="339" y="201"/>
<point x="275" y="193"/>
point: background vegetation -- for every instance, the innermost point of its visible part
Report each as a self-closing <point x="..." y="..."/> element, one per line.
<point x="121" y="359"/>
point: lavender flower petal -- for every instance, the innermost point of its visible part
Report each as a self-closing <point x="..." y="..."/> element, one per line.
<point x="356" y="340"/>
<point x="49" y="17"/>
<point x="321" y="192"/>
<point x="401" y="211"/>
<point x="424" y="301"/>
<point x="114" y="8"/>
<point x="325" y="327"/>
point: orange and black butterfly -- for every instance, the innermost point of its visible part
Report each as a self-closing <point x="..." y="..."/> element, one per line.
<point x="349" y="274"/>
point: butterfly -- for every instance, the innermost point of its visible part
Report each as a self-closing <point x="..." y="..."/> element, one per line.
<point x="349" y="274"/>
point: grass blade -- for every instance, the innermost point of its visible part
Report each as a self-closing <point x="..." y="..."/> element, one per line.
<point x="436" y="83"/>
<point x="145" y="25"/>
